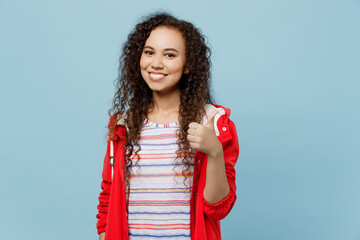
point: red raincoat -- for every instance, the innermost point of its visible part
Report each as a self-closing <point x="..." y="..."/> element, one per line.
<point x="205" y="217"/>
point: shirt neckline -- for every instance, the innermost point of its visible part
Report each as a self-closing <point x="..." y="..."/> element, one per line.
<point x="161" y="125"/>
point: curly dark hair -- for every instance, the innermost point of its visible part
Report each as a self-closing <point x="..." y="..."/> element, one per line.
<point x="134" y="97"/>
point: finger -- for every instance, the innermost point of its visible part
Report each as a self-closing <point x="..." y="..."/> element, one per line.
<point x="211" y="118"/>
<point x="194" y="145"/>
<point x="193" y="125"/>
<point x="191" y="138"/>
<point x="192" y="131"/>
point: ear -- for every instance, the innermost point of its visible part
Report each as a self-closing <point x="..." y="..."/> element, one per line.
<point x="186" y="70"/>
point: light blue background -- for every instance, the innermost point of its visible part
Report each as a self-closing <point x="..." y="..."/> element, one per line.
<point x="288" y="70"/>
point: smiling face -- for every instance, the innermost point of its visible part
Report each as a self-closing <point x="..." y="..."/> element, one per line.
<point x="162" y="61"/>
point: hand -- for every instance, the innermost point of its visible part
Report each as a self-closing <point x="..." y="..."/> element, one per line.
<point x="203" y="138"/>
<point x="102" y="236"/>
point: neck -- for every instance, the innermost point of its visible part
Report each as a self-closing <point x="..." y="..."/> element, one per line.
<point x="166" y="102"/>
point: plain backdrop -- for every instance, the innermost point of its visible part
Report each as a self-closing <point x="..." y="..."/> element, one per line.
<point x="288" y="70"/>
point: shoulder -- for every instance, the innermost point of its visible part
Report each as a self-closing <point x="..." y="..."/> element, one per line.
<point x="117" y="125"/>
<point x="121" y="118"/>
<point x="223" y="112"/>
<point x="117" y="119"/>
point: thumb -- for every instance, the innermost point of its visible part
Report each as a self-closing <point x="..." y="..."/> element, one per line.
<point x="211" y="119"/>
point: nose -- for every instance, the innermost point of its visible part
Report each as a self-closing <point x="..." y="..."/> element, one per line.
<point x="157" y="62"/>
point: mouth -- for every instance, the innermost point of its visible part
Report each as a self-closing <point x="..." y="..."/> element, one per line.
<point x="157" y="76"/>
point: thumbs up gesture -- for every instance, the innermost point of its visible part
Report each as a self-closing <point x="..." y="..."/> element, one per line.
<point x="202" y="137"/>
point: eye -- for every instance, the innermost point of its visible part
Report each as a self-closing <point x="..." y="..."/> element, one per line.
<point x="147" y="52"/>
<point x="170" y="55"/>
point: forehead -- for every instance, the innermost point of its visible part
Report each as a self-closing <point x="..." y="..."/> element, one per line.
<point x="166" y="37"/>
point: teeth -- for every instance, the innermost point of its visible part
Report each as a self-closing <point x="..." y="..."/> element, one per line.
<point x="157" y="76"/>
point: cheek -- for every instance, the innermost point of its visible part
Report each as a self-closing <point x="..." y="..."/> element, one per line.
<point x="143" y="67"/>
<point x="143" y="63"/>
<point x="177" y="66"/>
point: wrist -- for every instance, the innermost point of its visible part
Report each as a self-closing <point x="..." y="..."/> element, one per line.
<point x="216" y="152"/>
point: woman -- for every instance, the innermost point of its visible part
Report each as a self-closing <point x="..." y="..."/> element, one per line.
<point x="168" y="171"/>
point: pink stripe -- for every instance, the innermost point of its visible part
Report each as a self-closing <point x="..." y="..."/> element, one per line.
<point x="158" y="135"/>
<point x="158" y="175"/>
<point x="170" y="154"/>
<point x="149" y="224"/>
<point x="159" y="205"/>
<point x="153" y="138"/>
<point x="158" y="228"/>
<point x="160" y="201"/>
<point x="153" y="158"/>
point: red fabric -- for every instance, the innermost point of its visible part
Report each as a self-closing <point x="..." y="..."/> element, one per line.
<point x="205" y="217"/>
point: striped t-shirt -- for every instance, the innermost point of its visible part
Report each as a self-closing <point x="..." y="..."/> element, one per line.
<point x="159" y="202"/>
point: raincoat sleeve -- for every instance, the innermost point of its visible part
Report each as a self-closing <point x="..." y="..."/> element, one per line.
<point x="105" y="193"/>
<point x="220" y="210"/>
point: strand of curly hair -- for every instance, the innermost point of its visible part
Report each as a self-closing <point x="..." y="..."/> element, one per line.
<point x="134" y="97"/>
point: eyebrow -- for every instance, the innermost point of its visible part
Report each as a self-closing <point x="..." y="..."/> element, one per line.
<point x="166" y="49"/>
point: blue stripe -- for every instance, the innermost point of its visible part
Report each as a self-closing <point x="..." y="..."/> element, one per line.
<point x="150" y="127"/>
<point x="159" y="213"/>
<point x="157" y="165"/>
<point x="157" y="149"/>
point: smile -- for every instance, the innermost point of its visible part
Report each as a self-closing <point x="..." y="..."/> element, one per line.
<point x="157" y="76"/>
